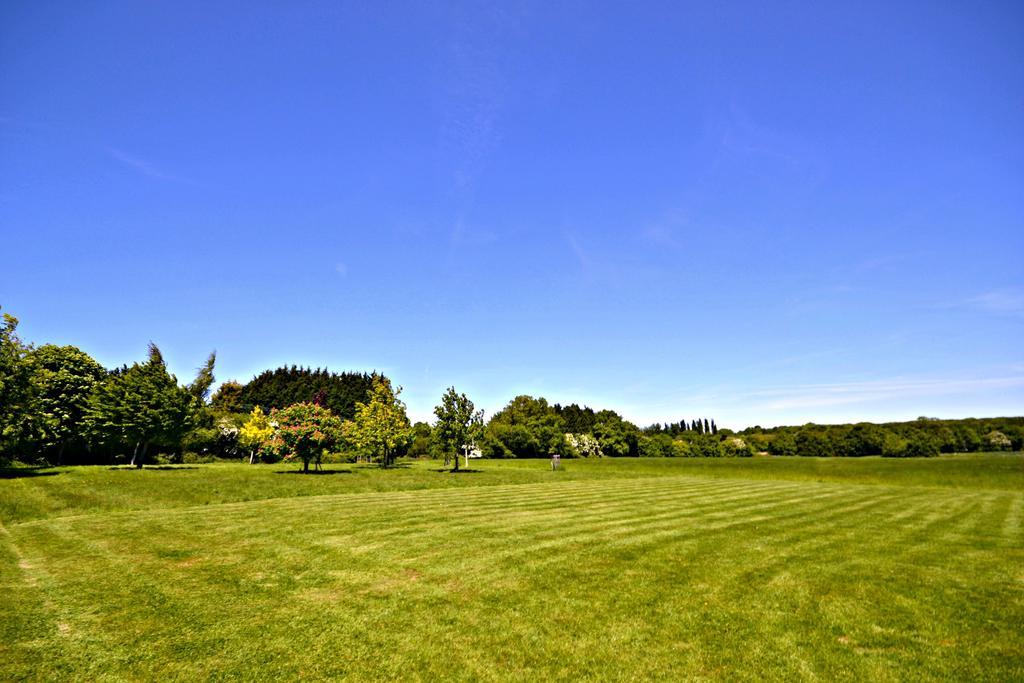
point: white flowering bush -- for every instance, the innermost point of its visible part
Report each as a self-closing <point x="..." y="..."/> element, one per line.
<point x="585" y="445"/>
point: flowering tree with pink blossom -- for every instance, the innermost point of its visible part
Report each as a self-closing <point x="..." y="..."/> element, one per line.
<point x="304" y="432"/>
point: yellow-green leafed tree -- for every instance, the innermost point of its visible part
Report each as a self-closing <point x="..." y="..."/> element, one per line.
<point x="380" y="426"/>
<point x="255" y="432"/>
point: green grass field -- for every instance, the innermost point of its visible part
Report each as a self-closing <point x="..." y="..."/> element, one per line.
<point x="778" y="568"/>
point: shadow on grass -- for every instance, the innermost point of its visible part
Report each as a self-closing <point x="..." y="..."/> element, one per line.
<point x="22" y="472"/>
<point x="128" y="468"/>
<point x="313" y="472"/>
<point x="378" y="466"/>
<point x="461" y="470"/>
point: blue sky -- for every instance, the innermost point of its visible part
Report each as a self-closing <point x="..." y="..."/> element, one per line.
<point x="765" y="213"/>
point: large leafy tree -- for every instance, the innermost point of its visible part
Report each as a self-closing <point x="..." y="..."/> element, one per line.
<point x="15" y="387"/>
<point x="813" y="442"/>
<point x="422" y="442"/>
<point x="63" y="378"/>
<point x="458" y="424"/>
<point x="616" y="436"/>
<point x="525" y="428"/>
<point x="577" y="420"/>
<point x="304" y="431"/>
<point x="142" y="405"/>
<point x="228" y="397"/>
<point x="380" y="426"/>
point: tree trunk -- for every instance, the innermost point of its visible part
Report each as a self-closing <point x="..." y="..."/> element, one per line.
<point x="305" y="467"/>
<point x="60" y="453"/>
<point x="142" y="456"/>
<point x="135" y="454"/>
<point x="252" y="455"/>
<point x="465" y="449"/>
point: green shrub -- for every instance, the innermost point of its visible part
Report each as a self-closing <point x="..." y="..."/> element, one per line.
<point x="735" y="447"/>
<point x="921" y="447"/>
<point x="192" y="458"/>
<point x="706" y="447"/>
<point x="201" y="440"/>
<point x="340" y="457"/>
<point x="681" y="449"/>
<point x="894" y="446"/>
<point x="657" y="446"/>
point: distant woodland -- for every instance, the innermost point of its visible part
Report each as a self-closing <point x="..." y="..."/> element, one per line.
<point x="59" y="406"/>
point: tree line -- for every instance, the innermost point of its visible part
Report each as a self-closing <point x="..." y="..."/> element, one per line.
<point x="59" y="406"/>
<point x="284" y="386"/>
<point x="917" y="438"/>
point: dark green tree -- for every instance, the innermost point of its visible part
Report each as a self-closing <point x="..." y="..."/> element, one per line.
<point x="142" y="405"/>
<point x="618" y="437"/>
<point x="228" y="397"/>
<point x="289" y="385"/>
<point x="657" y="446"/>
<point x="15" y="388"/>
<point x="422" y="441"/>
<point x="577" y="420"/>
<point x="812" y="442"/>
<point x="525" y="428"/>
<point x="63" y="379"/>
<point x="200" y="386"/>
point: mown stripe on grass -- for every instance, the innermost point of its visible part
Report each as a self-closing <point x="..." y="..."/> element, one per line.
<point x="608" y="579"/>
<point x="1011" y="526"/>
<point x="504" y="497"/>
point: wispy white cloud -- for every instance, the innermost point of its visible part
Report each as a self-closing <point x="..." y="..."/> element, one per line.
<point x="820" y="395"/>
<point x="741" y="136"/>
<point x="664" y="233"/>
<point x="876" y="400"/>
<point x="472" y="92"/>
<point x="142" y="166"/>
<point x="463" y="234"/>
<point x="597" y="263"/>
<point x="882" y="262"/>
<point x="735" y="144"/>
<point x="1008" y="301"/>
<point x="583" y="258"/>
